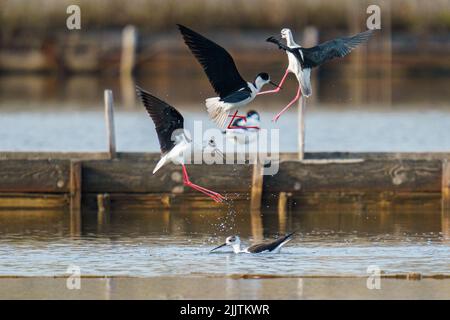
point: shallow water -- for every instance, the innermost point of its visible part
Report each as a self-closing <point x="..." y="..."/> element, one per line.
<point x="326" y="130"/>
<point x="176" y="242"/>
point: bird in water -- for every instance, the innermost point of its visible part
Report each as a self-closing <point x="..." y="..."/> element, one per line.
<point x="246" y="128"/>
<point x="302" y="60"/>
<point x="234" y="92"/>
<point x="174" y="143"/>
<point x="271" y="246"/>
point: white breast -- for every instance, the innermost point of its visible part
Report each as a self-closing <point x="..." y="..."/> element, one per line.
<point x="294" y="65"/>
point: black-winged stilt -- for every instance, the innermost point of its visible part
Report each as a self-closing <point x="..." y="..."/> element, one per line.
<point x="246" y="128"/>
<point x="302" y="60"/>
<point x="272" y="246"/>
<point x="233" y="90"/>
<point x="169" y="124"/>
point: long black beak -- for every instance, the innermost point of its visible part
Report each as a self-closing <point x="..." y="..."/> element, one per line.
<point x="275" y="85"/>
<point x="222" y="245"/>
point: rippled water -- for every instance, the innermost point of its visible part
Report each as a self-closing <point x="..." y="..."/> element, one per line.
<point x="155" y="243"/>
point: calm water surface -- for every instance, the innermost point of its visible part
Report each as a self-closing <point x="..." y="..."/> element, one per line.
<point x="177" y="242"/>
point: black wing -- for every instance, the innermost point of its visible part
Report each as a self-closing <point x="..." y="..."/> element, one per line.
<point x="338" y="47"/>
<point x="261" y="247"/>
<point x="237" y="96"/>
<point x="166" y="118"/>
<point x="216" y="62"/>
<point x="282" y="46"/>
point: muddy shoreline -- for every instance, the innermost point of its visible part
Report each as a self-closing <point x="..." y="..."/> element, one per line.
<point x="221" y="287"/>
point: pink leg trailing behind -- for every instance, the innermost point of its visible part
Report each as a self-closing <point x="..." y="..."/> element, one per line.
<point x="299" y="91"/>
<point x="217" y="197"/>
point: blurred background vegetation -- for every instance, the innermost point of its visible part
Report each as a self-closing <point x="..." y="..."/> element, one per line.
<point x="156" y="15"/>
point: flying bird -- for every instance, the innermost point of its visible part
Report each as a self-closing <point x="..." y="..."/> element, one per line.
<point x="302" y="60"/>
<point x="233" y="90"/>
<point x="169" y="125"/>
<point x="271" y="246"/>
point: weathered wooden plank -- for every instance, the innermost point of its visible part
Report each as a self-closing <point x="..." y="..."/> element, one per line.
<point x="33" y="201"/>
<point x="52" y="176"/>
<point x="370" y="176"/>
<point x="135" y="175"/>
<point x="53" y="155"/>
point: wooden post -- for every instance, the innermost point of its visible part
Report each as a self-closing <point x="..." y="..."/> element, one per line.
<point x="75" y="197"/>
<point x="282" y="211"/>
<point x="386" y="27"/>
<point x="109" y="120"/>
<point x="103" y="210"/>
<point x="301" y="128"/>
<point x="128" y="58"/>
<point x="445" y="221"/>
<point x="257" y="186"/>
<point x="257" y="225"/>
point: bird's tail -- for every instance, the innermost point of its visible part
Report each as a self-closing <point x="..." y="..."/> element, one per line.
<point x="160" y="163"/>
<point x="216" y="111"/>
<point x="305" y="82"/>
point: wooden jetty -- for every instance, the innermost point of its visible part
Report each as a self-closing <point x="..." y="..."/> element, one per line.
<point x="61" y="179"/>
<point x="114" y="180"/>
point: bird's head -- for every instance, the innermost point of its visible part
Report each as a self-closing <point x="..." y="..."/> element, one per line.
<point x="286" y="33"/>
<point x="252" y="114"/>
<point x="262" y="79"/>
<point x="232" y="241"/>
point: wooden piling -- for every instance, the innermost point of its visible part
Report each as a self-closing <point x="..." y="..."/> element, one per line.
<point x="109" y="121"/>
<point x="301" y="127"/>
<point x="445" y="221"/>
<point x="128" y="58"/>
<point x="103" y="210"/>
<point x="282" y="211"/>
<point x="257" y="225"/>
<point x="257" y="186"/>
<point x="75" y="197"/>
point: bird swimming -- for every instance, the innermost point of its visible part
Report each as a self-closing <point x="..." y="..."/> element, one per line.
<point x="302" y="60"/>
<point x="271" y="246"/>
<point x="174" y="143"/>
<point x="219" y="66"/>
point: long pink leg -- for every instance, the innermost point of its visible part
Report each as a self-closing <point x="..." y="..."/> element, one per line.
<point x="213" y="195"/>
<point x="234" y="116"/>
<point x="276" y="90"/>
<point x="290" y="104"/>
